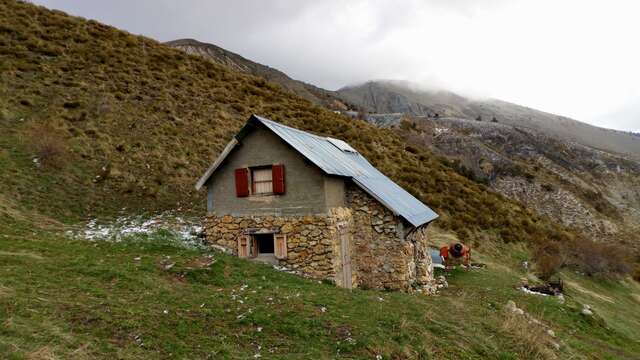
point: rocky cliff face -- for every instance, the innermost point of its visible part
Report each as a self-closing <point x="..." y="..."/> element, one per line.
<point x="592" y="190"/>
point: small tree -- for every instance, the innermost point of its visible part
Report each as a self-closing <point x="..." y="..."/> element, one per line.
<point x="494" y="120"/>
<point x="479" y="118"/>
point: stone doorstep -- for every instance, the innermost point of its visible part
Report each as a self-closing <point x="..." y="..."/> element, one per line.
<point x="266" y="258"/>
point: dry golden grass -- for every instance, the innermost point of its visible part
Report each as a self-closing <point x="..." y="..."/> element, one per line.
<point x="533" y="340"/>
<point x="136" y="122"/>
<point x="44" y="353"/>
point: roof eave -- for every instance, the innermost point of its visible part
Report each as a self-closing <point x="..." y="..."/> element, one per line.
<point x="227" y="150"/>
<point x="388" y="206"/>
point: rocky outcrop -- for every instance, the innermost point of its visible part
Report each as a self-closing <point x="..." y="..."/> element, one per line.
<point x="588" y="189"/>
<point x="558" y="204"/>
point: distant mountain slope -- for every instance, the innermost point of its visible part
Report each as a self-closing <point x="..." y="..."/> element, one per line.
<point x="238" y="63"/>
<point x="573" y="184"/>
<point x="403" y="97"/>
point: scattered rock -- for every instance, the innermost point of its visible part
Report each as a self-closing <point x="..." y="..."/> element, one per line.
<point x="519" y="311"/>
<point x="586" y="310"/>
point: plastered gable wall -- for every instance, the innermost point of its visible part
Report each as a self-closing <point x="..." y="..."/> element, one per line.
<point x="305" y="183"/>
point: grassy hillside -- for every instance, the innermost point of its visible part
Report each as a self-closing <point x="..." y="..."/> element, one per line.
<point x="83" y="300"/>
<point x="238" y="63"/>
<point x="93" y="119"/>
<point x="96" y="122"/>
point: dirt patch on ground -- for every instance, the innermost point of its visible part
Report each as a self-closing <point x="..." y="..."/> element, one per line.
<point x="24" y="254"/>
<point x="636" y="297"/>
<point x="594" y="294"/>
<point x="201" y="262"/>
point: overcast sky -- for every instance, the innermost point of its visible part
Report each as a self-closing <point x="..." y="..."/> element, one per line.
<point x="577" y="58"/>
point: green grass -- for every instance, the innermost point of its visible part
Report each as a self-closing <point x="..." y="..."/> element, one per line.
<point x="148" y="120"/>
<point x="78" y="299"/>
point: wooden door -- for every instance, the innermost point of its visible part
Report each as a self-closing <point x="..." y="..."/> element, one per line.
<point x="345" y="253"/>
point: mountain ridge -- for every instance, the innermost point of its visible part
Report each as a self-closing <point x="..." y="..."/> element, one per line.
<point x="237" y="62"/>
<point x="390" y="96"/>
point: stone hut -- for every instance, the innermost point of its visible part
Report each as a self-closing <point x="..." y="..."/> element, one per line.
<point x="313" y="204"/>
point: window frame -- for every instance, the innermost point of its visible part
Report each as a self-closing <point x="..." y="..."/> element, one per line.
<point x="253" y="181"/>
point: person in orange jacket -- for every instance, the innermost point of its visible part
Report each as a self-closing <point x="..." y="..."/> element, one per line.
<point x="453" y="253"/>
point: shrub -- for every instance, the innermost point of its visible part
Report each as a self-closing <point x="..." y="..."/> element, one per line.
<point x="580" y="254"/>
<point x="48" y="145"/>
<point x="598" y="259"/>
<point x="548" y="260"/>
<point x="547" y="187"/>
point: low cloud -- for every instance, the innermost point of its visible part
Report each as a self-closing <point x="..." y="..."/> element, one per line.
<point x="573" y="58"/>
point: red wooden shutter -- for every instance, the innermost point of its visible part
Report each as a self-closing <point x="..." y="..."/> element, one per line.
<point x="242" y="182"/>
<point x="277" y="172"/>
<point x="280" y="246"/>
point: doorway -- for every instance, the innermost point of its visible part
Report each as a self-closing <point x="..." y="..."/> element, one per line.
<point x="264" y="249"/>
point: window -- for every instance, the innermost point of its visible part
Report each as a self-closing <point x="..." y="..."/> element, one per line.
<point x="262" y="246"/>
<point x="262" y="180"/>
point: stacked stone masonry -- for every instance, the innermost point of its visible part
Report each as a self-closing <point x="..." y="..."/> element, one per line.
<point x="384" y="253"/>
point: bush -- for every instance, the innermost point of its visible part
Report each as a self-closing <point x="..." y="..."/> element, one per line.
<point x="600" y="259"/>
<point x="48" y="145"/>
<point x="583" y="255"/>
<point x="548" y="260"/>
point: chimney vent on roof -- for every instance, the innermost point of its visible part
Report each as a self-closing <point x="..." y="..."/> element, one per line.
<point x="342" y="145"/>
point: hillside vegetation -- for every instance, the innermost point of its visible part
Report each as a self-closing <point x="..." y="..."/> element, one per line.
<point x="144" y="298"/>
<point x="96" y="122"/>
<point x="238" y="63"/>
<point x="93" y="118"/>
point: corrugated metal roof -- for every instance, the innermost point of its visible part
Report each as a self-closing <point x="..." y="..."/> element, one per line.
<point x="326" y="153"/>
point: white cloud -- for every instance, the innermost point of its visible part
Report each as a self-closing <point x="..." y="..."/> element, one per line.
<point x="574" y="58"/>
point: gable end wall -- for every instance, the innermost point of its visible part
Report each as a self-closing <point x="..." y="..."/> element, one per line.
<point x="308" y="191"/>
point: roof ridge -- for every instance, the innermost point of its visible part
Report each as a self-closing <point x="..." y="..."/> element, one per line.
<point x="275" y="123"/>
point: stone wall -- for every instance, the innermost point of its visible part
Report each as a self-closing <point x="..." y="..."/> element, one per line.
<point x="311" y="240"/>
<point x="384" y="254"/>
<point x="421" y="256"/>
<point x="384" y="251"/>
